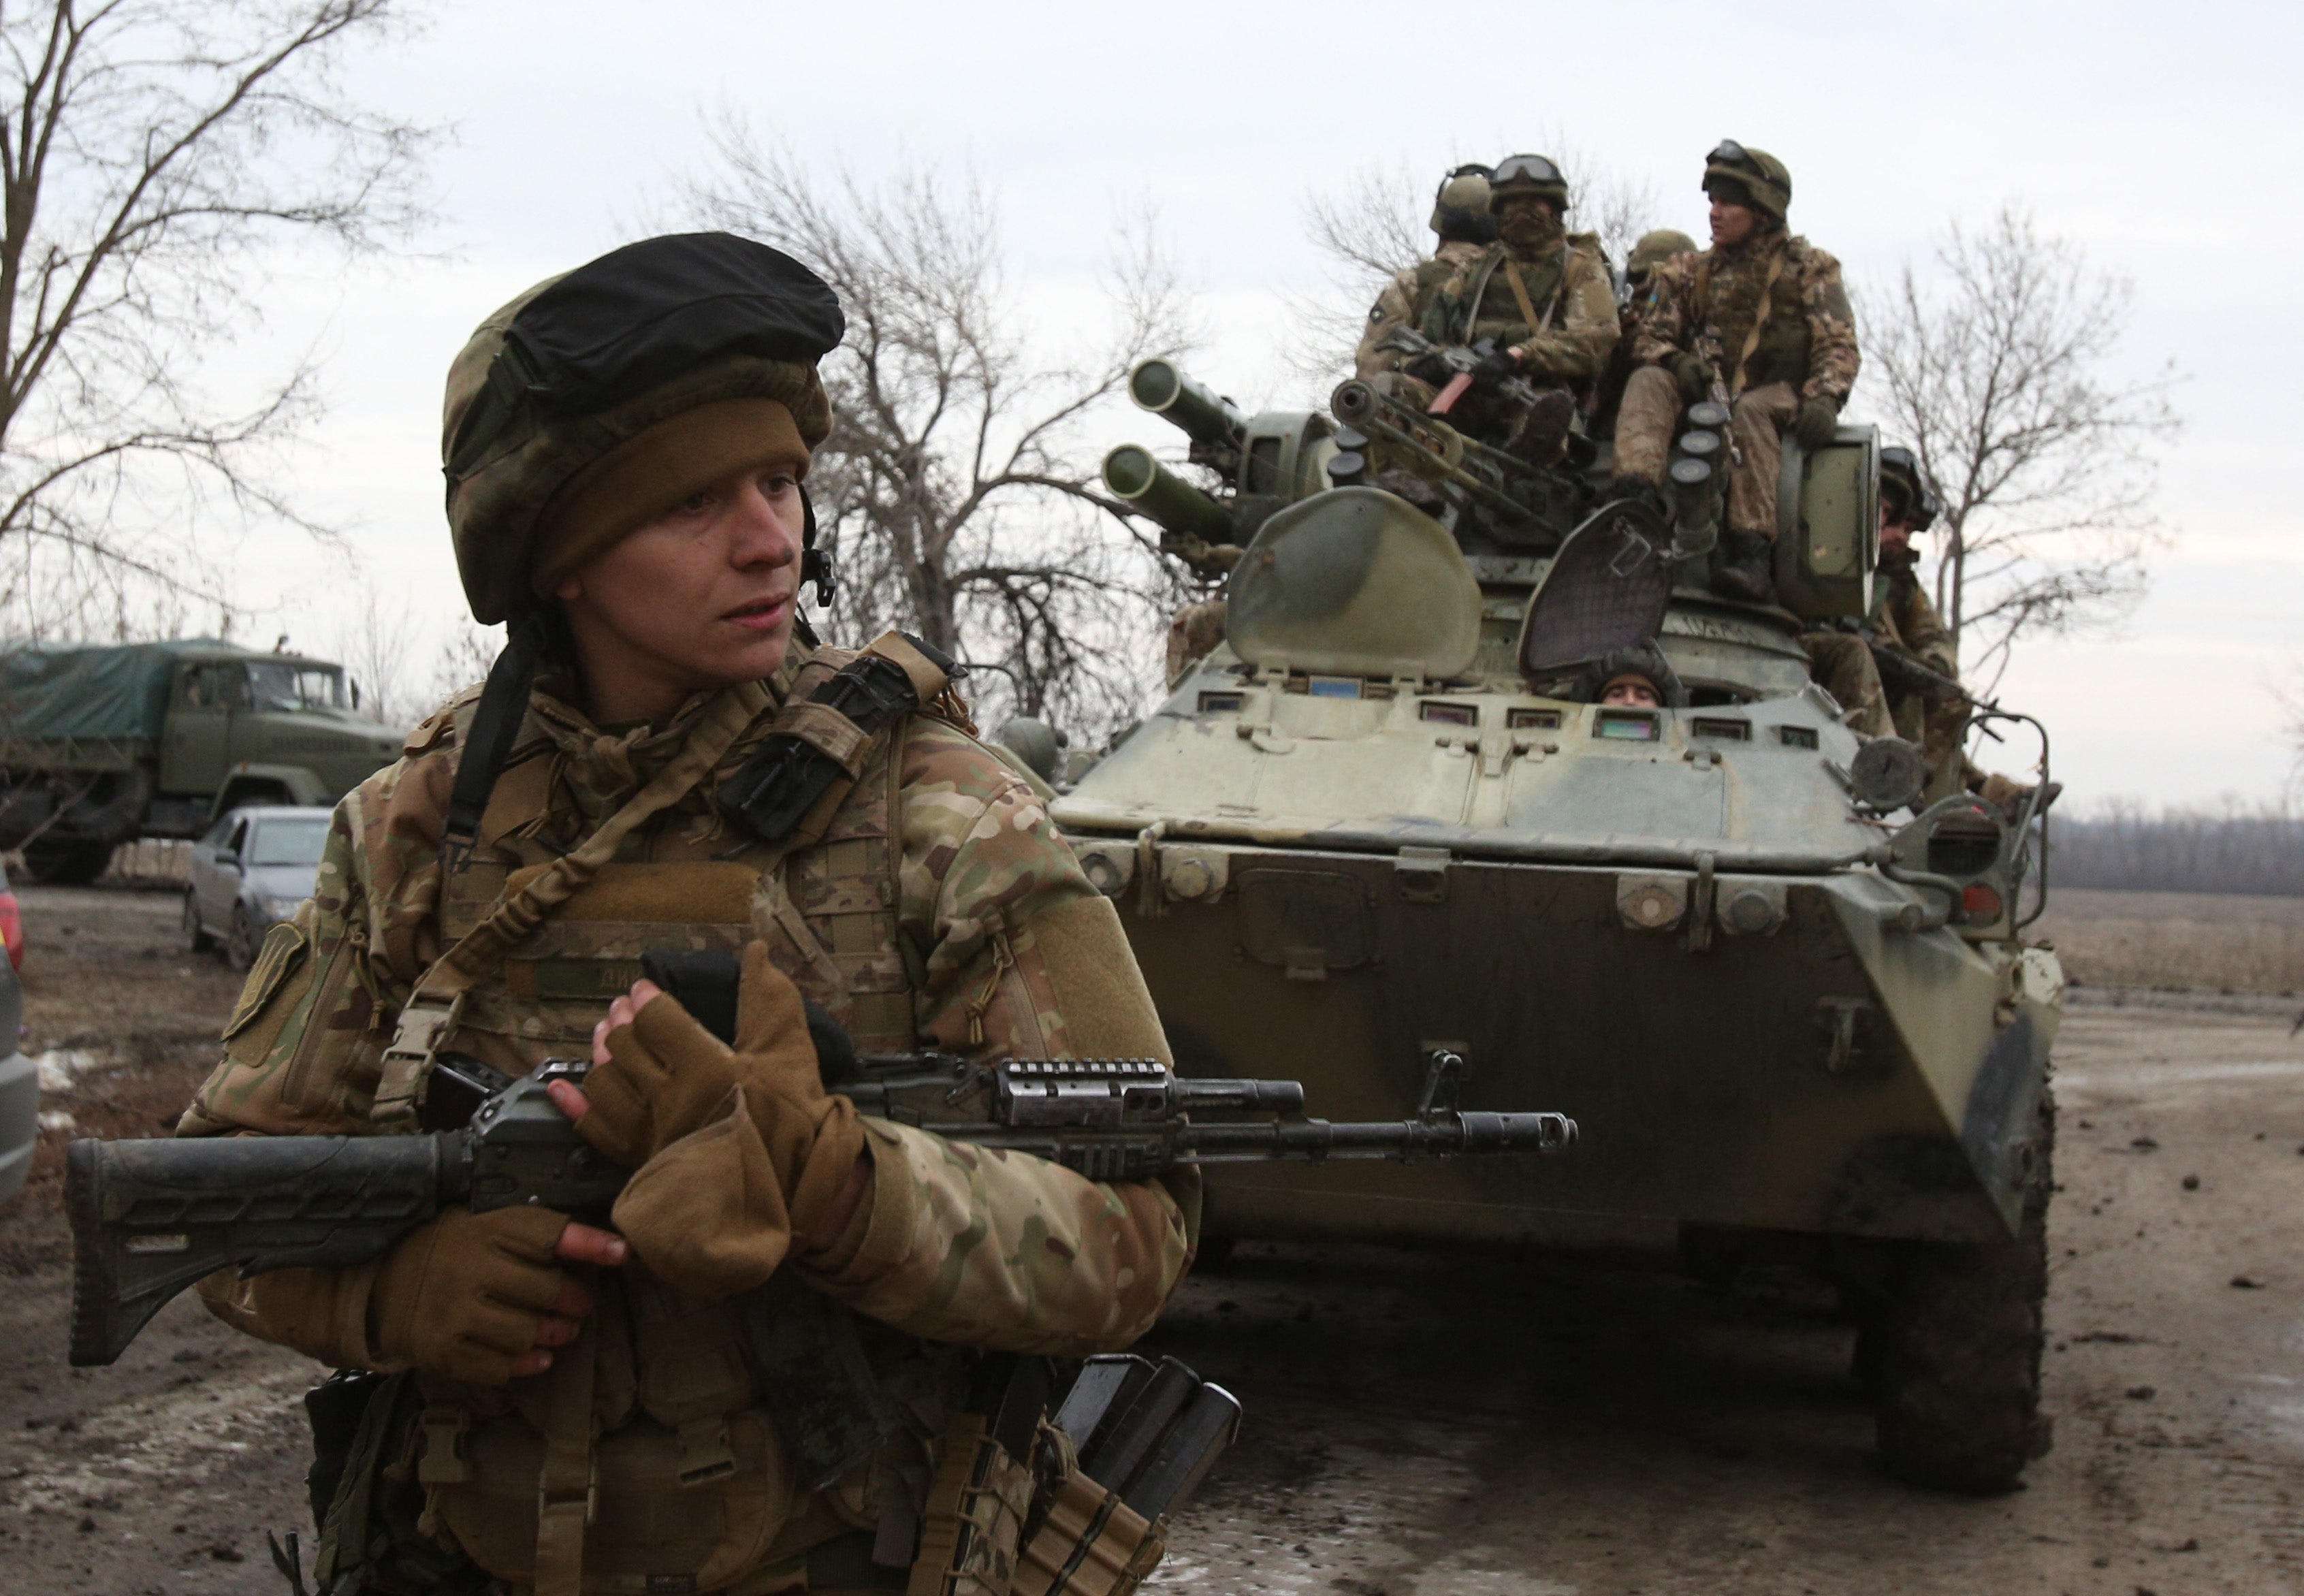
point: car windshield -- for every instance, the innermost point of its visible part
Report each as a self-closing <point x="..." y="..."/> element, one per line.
<point x="289" y="842"/>
<point x="285" y="686"/>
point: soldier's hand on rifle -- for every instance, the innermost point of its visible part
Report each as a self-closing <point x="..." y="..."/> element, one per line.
<point x="739" y="1153"/>
<point x="1432" y="367"/>
<point x="1495" y="371"/>
<point x="1687" y="371"/>
<point x="482" y="1297"/>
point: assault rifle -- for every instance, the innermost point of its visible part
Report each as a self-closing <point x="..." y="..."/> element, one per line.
<point x="150" y="1217"/>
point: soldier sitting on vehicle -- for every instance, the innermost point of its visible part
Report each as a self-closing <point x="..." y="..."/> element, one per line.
<point x="1867" y="664"/>
<point x="1758" y="322"/>
<point x="1632" y="294"/>
<point x="1460" y="217"/>
<point x="1631" y="679"/>
<point x="1537" y="306"/>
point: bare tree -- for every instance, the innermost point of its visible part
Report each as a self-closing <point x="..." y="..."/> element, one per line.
<point x="1374" y="226"/>
<point x="1998" y="365"/>
<point x="377" y="646"/>
<point x="951" y="490"/>
<point x="151" y="151"/>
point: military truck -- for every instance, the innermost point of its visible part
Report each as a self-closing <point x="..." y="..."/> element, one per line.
<point x="1782" y="986"/>
<point x="99" y="746"/>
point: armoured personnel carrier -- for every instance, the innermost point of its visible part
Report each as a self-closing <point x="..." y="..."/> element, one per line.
<point x="1782" y="986"/>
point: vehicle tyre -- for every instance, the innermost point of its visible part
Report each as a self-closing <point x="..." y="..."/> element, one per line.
<point x="1953" y="1351"/>
<point x="66" y="863"/>
<point x="195" y="937"/>
<point x="242" y="941"/>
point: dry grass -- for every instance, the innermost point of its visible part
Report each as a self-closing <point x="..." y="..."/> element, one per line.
<point x="2180" y="941"/>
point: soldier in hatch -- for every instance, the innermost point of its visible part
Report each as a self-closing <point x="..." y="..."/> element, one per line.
<point x="1760" y="321"/>
<point x="1639" y="678"/>
<point x="575" y="1411"/>
<point x="1653" y="250"/>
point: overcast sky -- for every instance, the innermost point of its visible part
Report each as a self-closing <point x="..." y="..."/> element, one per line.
<point x="2162" y="140"/>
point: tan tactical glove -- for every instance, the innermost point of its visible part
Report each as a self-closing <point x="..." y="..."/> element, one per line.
<point x="466" y="1294"/>
<point x="714" y="1209"/>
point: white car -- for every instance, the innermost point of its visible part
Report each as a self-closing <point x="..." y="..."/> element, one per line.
<point x="250" y="872"/>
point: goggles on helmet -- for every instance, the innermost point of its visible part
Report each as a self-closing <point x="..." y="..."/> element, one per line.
<point x="1900" y="469"/>
<point x="1728" y="153"/>
<point x="1532" y="169"/>
<point x="1470" y="169"/>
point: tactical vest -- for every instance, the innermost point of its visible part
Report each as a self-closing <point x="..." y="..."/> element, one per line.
<point x="1487" y="308"/>
<point x="679" y="1466"/>
<point x="1780" y="354"/>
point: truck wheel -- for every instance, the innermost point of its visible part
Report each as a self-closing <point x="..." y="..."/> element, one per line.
<point x="1953" y="1351"/>
<point x="241" y="942"/>
<point x="196" y="939"/>
<point x="66" y="864"/>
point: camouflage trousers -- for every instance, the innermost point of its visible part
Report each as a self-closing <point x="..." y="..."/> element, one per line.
<point x="1842" y="665"/>
<point x="1649" y="419"/>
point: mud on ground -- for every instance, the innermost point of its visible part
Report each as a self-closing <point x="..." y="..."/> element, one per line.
<point x="1417" y="1425"/>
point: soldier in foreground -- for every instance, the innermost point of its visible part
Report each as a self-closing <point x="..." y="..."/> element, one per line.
<point x="1759" y="322"/>
<point x="574" y="1409"/>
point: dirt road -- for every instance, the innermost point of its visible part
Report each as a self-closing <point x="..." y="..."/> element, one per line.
<point x="1417" y="1425"/>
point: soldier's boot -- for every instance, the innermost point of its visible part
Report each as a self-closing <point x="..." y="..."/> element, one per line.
<point x="1747" y="568"/>
<point x="1541" y="436"/>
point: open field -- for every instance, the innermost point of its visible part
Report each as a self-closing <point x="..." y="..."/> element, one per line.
<point x="2184" y="941"/>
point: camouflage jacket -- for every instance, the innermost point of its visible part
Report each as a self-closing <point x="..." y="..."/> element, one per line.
<point x="1403" y="304"/>
<point x="1709" y="303"/>
<point x="1569" y="291"/>
<point x="1906" y="618"/>
<point x="912" y="916"/>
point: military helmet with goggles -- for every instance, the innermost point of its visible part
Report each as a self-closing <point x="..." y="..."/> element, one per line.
<point x="1528" y="175"/>
<point x="1742" y="175"/>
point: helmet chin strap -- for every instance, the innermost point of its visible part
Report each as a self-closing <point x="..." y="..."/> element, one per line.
<point x="488" y="742"/>
<point x="816" y="565"/>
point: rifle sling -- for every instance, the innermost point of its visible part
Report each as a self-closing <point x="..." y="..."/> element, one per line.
<point x="433" y="1008"/>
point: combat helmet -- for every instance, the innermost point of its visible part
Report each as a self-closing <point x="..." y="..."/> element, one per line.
<point x="1742" y="175"/>
<point x="1646" y="661"/>
<point x="1906" y="490"/>
<point x="558" y="436"/>
<point x="1528" y="175"/>
<point x="1460" y="208"/>
<point x="1654" y="250"/>
<point x="706" y="327"/>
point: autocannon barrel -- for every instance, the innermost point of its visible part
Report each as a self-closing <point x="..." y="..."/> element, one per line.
<point x="1151" y="489"/>
<point x="1206" y="416"/>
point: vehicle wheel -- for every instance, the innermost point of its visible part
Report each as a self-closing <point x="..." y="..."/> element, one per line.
<point x="242" y="941"/>
<point x="196" y="938"/>
<point x="66" y="864"/>
<point x="1953" y="1350"/>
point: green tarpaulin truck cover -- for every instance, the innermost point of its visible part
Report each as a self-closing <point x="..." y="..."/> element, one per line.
<point x="90" y="693"/>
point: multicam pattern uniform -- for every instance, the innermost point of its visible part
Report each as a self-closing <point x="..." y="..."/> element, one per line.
<point x="1403" y="304"/>
<point x="1707" y="303"/>
<point x="1902" y="619"/>
<point x="912" y="918"/>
